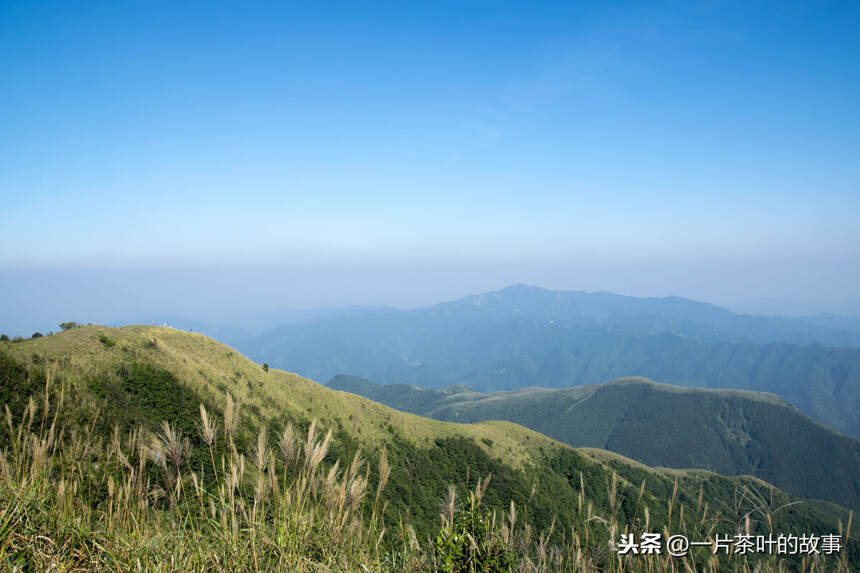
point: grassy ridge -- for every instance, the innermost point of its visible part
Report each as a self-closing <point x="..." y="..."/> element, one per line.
<point x="117" y="385"/>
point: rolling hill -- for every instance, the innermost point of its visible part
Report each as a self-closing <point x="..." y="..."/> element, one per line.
<point x="525" y="336"/>
<point x="727" y="431"/>
<point x="116" y="382"/>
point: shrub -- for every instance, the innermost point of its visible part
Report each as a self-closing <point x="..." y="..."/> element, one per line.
<point x="4" y="338"/>
<point x="472" y="539"/>
<point x="70" y="325"/>
<point x="36" y="335"/>
<point x="265" y="367"/>
<point x="108" y="342"/>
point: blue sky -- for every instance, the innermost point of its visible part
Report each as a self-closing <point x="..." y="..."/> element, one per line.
<point x="366" y="153"/>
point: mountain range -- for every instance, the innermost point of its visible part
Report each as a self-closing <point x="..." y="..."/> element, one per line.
<point x="524" y="336"/>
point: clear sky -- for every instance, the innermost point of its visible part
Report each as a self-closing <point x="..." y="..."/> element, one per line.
<point x="208" y="159"/>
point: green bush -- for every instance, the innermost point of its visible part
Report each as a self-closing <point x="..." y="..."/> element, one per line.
<point x="108" y="342"/>
<point x="471" y="539"/>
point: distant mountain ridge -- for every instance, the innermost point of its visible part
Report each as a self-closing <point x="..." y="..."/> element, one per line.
<point x="527" y="336"/>
<point x="702" y="320"/>
<point x="728" y="431"/>
<point x="834" y="321"/>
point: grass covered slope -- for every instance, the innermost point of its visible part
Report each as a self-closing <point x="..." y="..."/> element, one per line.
<point x="89" y="466"/>
<point x="201" y="369"/>
<point x="726" y="431"/>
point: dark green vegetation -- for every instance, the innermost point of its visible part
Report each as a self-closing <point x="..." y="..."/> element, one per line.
<point x="725" y="431"/>
<point x="525" y="336"/>
<point x="100" y="512"/>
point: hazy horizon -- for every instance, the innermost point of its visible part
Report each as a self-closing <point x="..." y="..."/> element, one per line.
<point x="216" y="160"/>
<point x="160" y="297"/>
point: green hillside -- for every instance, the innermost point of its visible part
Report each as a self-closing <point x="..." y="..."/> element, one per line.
<point x="731" y="432"/>
<point x="91" y="479"/>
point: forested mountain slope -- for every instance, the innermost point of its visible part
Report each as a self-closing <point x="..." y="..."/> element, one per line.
<point x="727" y="431"/>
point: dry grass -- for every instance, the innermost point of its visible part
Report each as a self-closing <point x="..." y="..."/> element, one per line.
<point x="135" y="503"/>
<point x="72" y="502"/>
